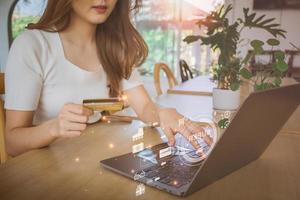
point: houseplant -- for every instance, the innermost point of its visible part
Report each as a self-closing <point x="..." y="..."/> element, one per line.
<point x="224" y="37"/>
<point x="269" y="76"/>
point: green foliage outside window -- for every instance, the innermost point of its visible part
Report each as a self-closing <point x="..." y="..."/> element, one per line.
<point x="161" y="47"/>
<point x="19" y="24"/>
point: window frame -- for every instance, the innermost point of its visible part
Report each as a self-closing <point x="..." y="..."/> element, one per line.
<point x="9" y="23"/>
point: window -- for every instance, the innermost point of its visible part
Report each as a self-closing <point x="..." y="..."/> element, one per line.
<point x="164" y="25"/>
<point x="25" y="12"/>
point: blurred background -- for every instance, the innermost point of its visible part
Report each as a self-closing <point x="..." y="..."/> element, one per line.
<point x="163" y="25"/>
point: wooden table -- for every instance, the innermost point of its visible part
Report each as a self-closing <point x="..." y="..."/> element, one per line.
<point x="70" y="169"/>
<point x="199" y="86"/>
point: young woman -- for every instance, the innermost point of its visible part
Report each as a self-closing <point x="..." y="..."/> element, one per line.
<point x="80" y="49"/>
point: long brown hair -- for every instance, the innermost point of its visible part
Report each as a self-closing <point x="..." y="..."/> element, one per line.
<point x="120" y="46"/>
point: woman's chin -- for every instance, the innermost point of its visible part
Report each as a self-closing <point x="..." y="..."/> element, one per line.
<point x="98" y="19"/>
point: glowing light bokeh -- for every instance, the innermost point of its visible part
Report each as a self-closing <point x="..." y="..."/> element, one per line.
<point x="124" y="98"/>
<point x="175" y="182"/>
<point x="140" y="190"/>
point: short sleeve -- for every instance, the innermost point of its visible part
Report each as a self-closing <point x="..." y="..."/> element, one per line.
<point x="23" y="73"/>
<point x="133" y="81"/>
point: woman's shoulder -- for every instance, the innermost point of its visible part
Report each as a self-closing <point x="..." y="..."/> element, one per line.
<point x="31" y="38"/>
<point x="30" y="47"/>
<point x="34" y="43"/>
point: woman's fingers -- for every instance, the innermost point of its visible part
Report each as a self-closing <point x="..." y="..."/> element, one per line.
<point x="71" y="120"/>
<point x="70" y="134"/>
<point x="208" y="140"/>
<point x="197" y="129"/>
<point x="71" y="126"/>
<point x="78" y="109"/>
<point x="71" y="129"/>
<point x="74" y="117"/>
<point x="173" y="122"/>
<point x="189" y="136"/>
<point x="170" y="135"/>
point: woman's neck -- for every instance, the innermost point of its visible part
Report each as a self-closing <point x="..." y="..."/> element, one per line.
<point x="80" y="32"/>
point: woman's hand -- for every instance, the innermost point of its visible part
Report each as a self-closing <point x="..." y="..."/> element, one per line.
<point x="169" y="119"/>
<point x="172" y="122"/>
<point x="71" y="121"/>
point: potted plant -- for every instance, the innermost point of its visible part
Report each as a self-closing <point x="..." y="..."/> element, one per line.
<point x="267" y="75"/>
<point x="224" y="37"/>
<point x="270" y="75"/>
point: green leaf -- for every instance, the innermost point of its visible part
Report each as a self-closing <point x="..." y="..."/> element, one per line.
<point x="220" y="11"/>
<point x="192" y="38"/>
<point x="263" y="86"/>
<point x="259" y="19"/>
<point x="267" y="21"/>
<point x="279" y="55"/>
<point x="235" y="86"/>
<point x="281" y="65"/>
<point x="277" y="81"/>
<point x="262" y="23"/>
<point x="257" y="43"/>
<point x="257" y="87"/>
<point x="257" y="46"/>
<point x="245" y="73"/>
<point x="258" y="50"/>
<point x="223" y="123"/>
<point x="273" y="42"/>
<point x="228" y="9"/>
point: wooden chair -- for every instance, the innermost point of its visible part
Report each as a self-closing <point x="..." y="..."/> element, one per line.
<point x="171" y="78"/>
<point x="256" y="66"/>
<point x="290" y="55"/>
<point x="185" y="71"/>
<point x="3" y="154"/>
<point x="292" y="68"/>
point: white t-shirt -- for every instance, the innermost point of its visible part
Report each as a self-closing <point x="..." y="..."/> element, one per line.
<point x="39" y="78"/>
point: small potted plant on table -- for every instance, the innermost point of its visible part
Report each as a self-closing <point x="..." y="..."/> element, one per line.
<point x="224" y="37"/>
<point x="269" y="76"/>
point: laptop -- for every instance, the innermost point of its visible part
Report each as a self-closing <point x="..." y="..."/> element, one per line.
<point x="252" y="129"/>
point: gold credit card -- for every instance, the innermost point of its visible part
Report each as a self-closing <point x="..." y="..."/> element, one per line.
<point x="111" y="104"/>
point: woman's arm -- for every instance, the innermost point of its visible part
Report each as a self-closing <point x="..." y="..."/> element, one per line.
<point x="22" y="136"/>
<point x="168" y="118"/>
<point x="142" y="104"/>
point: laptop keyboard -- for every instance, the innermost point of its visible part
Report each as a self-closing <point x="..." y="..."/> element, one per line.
<point x="173" y="173"/>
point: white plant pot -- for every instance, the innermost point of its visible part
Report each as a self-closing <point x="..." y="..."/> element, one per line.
<point x="226" y="99"/>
